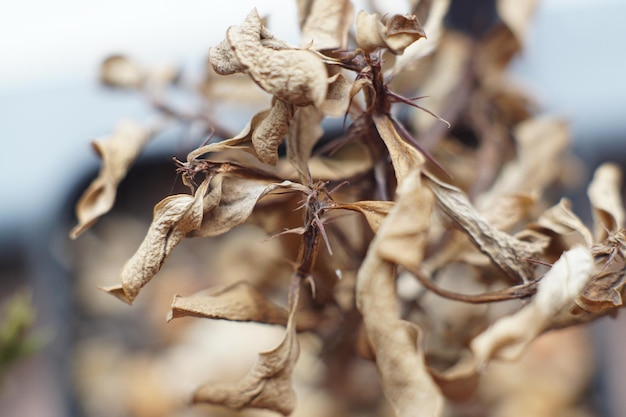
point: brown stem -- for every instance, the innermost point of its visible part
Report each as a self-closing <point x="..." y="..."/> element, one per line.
<point x="510" y="293"/>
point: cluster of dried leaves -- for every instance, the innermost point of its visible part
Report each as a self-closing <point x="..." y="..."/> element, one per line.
<point x="451" y="214"/>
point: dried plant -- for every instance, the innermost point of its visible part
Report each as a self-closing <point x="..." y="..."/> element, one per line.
<point x="452" y="193"/>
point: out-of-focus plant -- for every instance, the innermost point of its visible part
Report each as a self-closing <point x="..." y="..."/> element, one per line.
<point x="16" y="341"/>
<point x="453" y="196"/>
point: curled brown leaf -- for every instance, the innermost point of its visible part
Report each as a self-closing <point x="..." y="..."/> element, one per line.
<point x="606" y="200"/>
<point x="267" y="385"/>
<point x="174" y="217"/>
<point x="236" y="302"/>
<point x="503" y="249"/>
<point x="509" y="336"/>
<point x="118" y="152"/>
<point x="327" y="23"/>
<point x="296" y="76"/>
<point x="271" y="131"/>
<point x="396" y="343"/>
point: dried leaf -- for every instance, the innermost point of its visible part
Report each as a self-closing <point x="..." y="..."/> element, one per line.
<point x="269" y="134"/>
<point x="223" y="59"/>
<point x="296" y="76"/>
<point x="174" y="217"/>
<point x="237" y="200"/>
<point x="305" y="131"/>
<point x="517" y="15"/>
<point x="404" y="240"/>
<point x="433" y="29"/>
<point x="397" y="32"/>
<point x="606" y="200"/>
<point x="603" y="293"/>
<point x="338" y="96"/>
<point x="351" y="160"/>
<point x="402" y="31"/>
<point x="507" y="211"/>
<point x="540" y="142"/>
<point x="120" y="71"/>
<point x="400" y="361"/>
<point x="327" y="23"/>
<point x="267" y="385"/>
<point x="237" y="302"/>
<point x="509" y="336"/>
<point x="404" y="157"/>
<point x="373" y="211"/>
<point x="118" y="152"/>
<point x="369" y="31"/>
<point x="561" y="220"/>
<point x="504" y="250"/>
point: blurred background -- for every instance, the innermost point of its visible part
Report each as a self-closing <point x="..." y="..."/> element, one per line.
<point x="52" y="106"/>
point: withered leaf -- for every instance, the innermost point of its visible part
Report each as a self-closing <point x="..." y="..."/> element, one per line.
<point x="174" y="217"/>
<point x="337" y="97"/>
<point x="606" y="200"/>
<point x="603" y="293"/>
<point x="399" y="358"/>
<point x="369" y="31"/>
<point x="509" y="336"/>
<point x="404" y="157"/>
<point x="237" y="200"/>
<point x="401" y="31"/>
<point x="433" y="28"/>
<point x="373" y="211"/>
<point x="122" y="72"/>
<point x="296" y="76"/>
<point x="397" y="33"/>
<point x="237" y="302"/>
<point x="327" y="23"/>
<point x="303" y="134"/>
<point x="561" y="220"/>
<point x="271" y="131"/>
<point x="534" y="167"/>
<point x="118" y="152"/>
<point x="349" y="161"/>
<point x="223" y="60"/>
<point x="517" y="16"/>
<point x="267" y="385"/>
<point x="404" y="240"/>
<point x="503" y="249"/>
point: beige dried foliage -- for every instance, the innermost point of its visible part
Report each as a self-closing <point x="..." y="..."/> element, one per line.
<point x="606" y="200"/>
<point x="404" y="157"/>
<point x="433" y="29"/>
<point x="562" y="221"/>
<point x="417" y="292"/>
<point x="395" y="342"/>
<point x="338" y="96"/>
<point x="540" y="142"/>
<point x="296" y="76"/>
<point x="517" y="15"/>
<point x="373" y="211"/>
<point x="237" y="198"/>
<point x="236" y="302"/>
<point x="508" y="337"/>
<point x="395" y="33"/>
<point x="349" y="161"/>
<point x="304" y="132"/>
<point x="118" y="152"/>
<point x="122" y="72"/>
<point x="270" y="133"/>
<point x="174" y="217"/>
<point x="267" y="385"/>
<point x="449" y="65"/>
<point x="503" y="249"/>
<point x="326" y="24"/>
